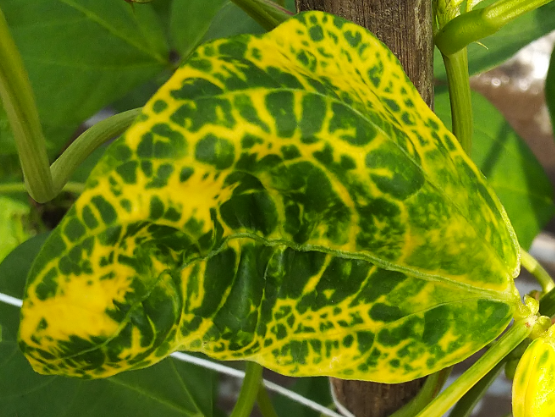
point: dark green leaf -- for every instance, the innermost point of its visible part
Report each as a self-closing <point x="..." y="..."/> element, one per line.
<point x="510" y="166"/>
<point x="505" y="43"/>
<point x="83" y="54"/>
<point x="171" y="389"/>
<point x="195" y="21"/>
<point x="189" y="21"/>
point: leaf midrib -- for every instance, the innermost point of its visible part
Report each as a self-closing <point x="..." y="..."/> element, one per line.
<point x="478" y="236"/>
<point x="113" y="30"/>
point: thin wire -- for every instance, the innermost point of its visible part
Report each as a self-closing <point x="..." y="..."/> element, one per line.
<point x="268" y="384"/>
<point x="4" y="298"/>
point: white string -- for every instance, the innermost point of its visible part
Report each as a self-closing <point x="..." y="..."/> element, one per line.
<point x="224" y="370"/>
<point x="4" y="298"/>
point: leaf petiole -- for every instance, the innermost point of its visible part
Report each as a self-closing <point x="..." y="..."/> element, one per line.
<point x="511" y="339"/>
<point x="20" y="187"/>
<point x="249" y="390"/>
<point x="466" y="404"/>
<point x="431" y="388"/>
<point x="456" y="67"/>
<point x="63" y="168"/>
<point x="43" y="182"/>
<point x="534" y="267"/>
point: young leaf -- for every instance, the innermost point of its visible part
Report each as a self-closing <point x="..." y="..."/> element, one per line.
<point x="172" y="389"/>
<point x="512" y="170"/>
<point x="534" y="381"/>
<point x="288" y="199"/>
<point x="499" y="47"/>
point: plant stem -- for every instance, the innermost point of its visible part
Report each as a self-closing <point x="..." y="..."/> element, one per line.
<point x="64" y="167"/>
<point x="535" y="268"/>
<point x="20" y="187"/>
<point x="264" y="403"/>
<point x="18" y="100"/>
<point x="478" y="24"/>
<point x="466" y="404"/>
<point x="456" y="67"/>
<point x="511" y="339"/>
<point x="249" y="390"/>
<point x="43" y="182"/>
<point x="431" y="388"/>
<point x="267" y="13"/>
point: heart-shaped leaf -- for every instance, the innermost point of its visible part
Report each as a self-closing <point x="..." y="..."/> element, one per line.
<point x="288" y="199"/>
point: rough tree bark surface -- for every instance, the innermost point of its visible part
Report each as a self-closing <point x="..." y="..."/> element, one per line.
<point x="405" y="26"/>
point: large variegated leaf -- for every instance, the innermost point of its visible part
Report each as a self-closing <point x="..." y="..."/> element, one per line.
<point x="285" y="198"/>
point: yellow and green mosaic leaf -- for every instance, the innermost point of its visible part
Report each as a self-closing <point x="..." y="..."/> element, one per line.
<point x="285" y="198"/>
<point x="534" y="381"/>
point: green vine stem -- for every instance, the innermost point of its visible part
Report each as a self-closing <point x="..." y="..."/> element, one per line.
<point x="431" y="388"/>
<point x="534" y="267"/>
<point x="249" y="390"/>
<point x="20" y="187"/>
<point x="267" y="13"/>
<point x="264" y="403"/>
<point x="511" y="339"/>
<point x="466" y="404"/>
<point x="63" y="168"/>
<point x="478" y="24"/>
<point x="456" y="67"/>
<point x="43" y="182"/>
<point x="19" y="103"/>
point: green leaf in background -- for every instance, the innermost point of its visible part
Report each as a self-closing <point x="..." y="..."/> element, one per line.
<point x="196" y="21"/>
<point x="170" y="389"/>
<point x="83" y="54"/>
<point x="511" y="168"/>
<point x="505" y="43"/>
<point x="7" y="144"/>
<point x="316" y="389"/>
<point x="189" y="21"/>
<point x="550" y="90"/>
<point x="289" y="200"/>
